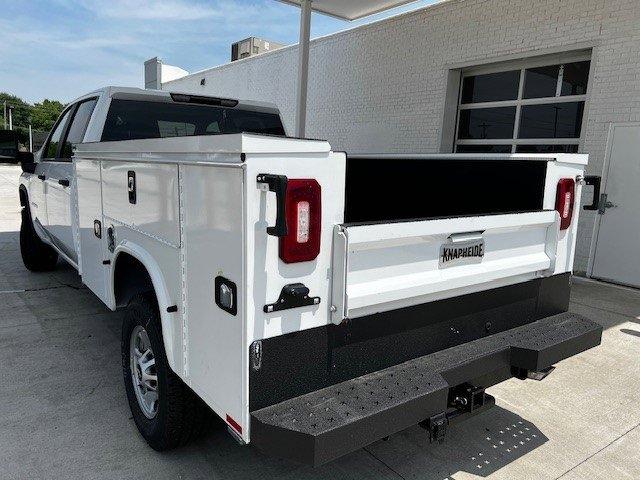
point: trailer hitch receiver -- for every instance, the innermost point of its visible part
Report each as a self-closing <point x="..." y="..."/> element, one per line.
<point x="467" y="398"/>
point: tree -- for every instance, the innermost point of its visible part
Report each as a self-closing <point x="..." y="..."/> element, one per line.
<point x="42" y="115"/>
<point x="45" y="114"/>
<point x="21" y="109"/>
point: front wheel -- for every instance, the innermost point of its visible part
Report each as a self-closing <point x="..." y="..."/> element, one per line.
<point x="167" y="413"/>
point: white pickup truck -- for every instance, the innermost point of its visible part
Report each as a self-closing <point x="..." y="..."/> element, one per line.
<point x="315" y="301"/>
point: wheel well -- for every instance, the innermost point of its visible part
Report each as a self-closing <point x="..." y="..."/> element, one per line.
<point x="130" y="278"/>
<point x="24" y="198"/>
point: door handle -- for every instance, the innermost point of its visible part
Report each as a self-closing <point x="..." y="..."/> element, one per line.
<point x="64" y="182"/>
<point x="131" y="186"/>
<point x="41" y="177"/>
<point x="278" y="185"/>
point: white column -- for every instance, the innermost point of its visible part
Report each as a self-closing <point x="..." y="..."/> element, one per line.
<point x="303" y="67"/>
<point x="10" y="119"/>
<point x="30" y="139"/>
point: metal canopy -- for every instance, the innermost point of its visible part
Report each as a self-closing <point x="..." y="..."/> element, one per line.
<point x="344" y="9"/>
<point x="350" y="9"/>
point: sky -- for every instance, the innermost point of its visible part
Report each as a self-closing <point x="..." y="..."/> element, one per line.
<point x="61" y="49"/>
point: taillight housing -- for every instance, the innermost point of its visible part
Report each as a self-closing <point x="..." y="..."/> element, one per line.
<point x="565" y="197"/>
<point x="304" y="212"/>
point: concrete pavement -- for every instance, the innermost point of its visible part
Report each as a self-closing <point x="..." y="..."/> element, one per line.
<point x="63" y="412"/>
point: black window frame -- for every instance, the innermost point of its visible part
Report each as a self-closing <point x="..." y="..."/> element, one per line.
<point x="579" y="58"/>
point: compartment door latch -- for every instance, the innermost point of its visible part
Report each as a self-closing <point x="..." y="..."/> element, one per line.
<point x="292" y="295"/>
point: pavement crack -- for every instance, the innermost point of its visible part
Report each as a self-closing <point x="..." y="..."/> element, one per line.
<point x="389" y="467"/>
<point x="595" y="453"/>
<point x="41" y="289"/>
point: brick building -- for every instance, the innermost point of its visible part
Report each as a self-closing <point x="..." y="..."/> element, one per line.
<point x="477" y="76"/>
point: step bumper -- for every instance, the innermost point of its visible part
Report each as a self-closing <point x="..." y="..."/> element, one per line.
<point x="326" y="424"/>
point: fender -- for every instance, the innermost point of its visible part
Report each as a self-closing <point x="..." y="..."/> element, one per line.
<point x="169" y="320"/>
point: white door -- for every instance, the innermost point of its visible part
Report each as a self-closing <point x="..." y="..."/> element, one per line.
<point x="90" y="226"/>
<point x="616" y="253"/>
<point x="60" y="176"/>
<point x="58" y="191"/>
<point x="38" y="184"/>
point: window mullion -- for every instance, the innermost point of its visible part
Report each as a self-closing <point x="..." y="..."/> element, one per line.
<point x="560" y="78"/>
<point x="516" y="126"/>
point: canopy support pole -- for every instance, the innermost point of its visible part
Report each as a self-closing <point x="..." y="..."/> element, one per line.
<point x="303" y="67"/>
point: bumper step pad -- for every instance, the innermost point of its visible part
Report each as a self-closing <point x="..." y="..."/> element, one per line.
<point x="323" y="425"/>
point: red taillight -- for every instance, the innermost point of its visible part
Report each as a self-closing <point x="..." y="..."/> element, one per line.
<point x="304" y="209"/>
<point x="565" y="196"/>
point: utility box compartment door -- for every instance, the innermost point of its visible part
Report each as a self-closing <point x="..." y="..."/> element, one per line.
<point x="381" y="267"/>
<point x="91" y="229"/>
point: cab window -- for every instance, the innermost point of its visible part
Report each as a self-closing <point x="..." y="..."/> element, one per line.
<point x="78" y="126"/>
<point x="51" y="149"/>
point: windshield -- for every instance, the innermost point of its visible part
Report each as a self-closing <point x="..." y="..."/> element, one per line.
<point x="134" y="119"/>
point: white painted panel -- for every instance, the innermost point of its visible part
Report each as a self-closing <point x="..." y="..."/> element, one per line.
<point x="94" y="273"/>
<point x="59" y="206"/>
<point x="564" y="168"/>
<point x="156" y="209"/>
<point x="114" y="191"/>
<point x="37" y="196"/>
<point x="213" y="245"/>
<point x="616" y="257"/>
<point x="266" y="273"/>
<point x="388" y="266"/>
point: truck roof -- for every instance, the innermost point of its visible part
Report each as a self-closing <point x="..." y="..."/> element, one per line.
<point x="132" y="93"/>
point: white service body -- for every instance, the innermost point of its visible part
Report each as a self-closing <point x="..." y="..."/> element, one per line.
<point x="200" y="213"/>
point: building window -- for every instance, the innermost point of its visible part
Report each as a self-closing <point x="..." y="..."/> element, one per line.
<point x="534" y="106"/>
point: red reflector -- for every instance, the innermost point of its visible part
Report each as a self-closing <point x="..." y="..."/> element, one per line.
<point x="564" y="201"/>
<point x="304" y="216"/>
<point x="234" y="424"/>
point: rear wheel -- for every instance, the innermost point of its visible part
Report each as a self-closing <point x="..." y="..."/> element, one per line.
<point x="37" y="256"/>
<point x="167" y="413"/>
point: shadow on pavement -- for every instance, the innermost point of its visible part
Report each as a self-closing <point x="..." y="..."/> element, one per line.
<point x="480" y="446"/>
<point x="628" y="331"/>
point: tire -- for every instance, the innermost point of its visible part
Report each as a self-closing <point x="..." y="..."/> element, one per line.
<point x="37" y="256"/>
<point x="179" y="414"/>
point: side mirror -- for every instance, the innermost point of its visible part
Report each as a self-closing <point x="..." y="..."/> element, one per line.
<point x="26" y="161"/>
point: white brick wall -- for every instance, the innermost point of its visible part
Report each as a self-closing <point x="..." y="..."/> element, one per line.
<point x="381" y="87"/>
